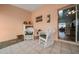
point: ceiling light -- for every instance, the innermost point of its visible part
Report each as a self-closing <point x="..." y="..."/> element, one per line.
<point x="69" y="12"/>
<point x="73" y="11"/>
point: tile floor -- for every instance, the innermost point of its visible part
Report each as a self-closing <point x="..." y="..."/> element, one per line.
<point x="33" y="47"/>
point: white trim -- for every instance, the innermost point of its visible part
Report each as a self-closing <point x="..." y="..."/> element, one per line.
<point x="76" y="24"/>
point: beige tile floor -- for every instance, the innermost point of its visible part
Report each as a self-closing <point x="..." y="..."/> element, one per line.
<point x="33" y="47"/>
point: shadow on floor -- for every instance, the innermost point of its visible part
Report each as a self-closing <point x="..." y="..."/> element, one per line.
<point x="10" y="42"/>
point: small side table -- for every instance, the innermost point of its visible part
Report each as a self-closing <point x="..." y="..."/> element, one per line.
<point x="36" y="37"/>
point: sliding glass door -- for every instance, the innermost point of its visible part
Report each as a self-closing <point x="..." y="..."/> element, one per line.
<point x="68" y="24"/>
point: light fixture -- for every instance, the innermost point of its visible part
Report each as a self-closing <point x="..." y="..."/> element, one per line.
<point x="73" y="11"/>
<point x="69" y="12"/>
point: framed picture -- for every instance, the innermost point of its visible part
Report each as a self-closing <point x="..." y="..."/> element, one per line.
<point x="48" y="18"/>
<point x="39" y="19"/>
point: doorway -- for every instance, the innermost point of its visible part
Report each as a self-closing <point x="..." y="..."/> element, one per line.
<point x="68" y="25"/>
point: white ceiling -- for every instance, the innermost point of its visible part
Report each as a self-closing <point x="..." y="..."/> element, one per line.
<point x="30" y="7"/>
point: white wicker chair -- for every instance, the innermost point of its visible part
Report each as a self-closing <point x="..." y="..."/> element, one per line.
<point x="46" y="38"/>
<point x="29" y="34"/>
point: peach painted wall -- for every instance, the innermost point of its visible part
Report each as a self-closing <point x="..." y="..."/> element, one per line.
<point x="11" y="21"/>
<point x="44" y="11"/>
